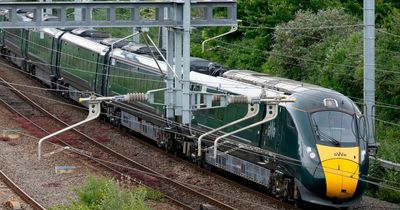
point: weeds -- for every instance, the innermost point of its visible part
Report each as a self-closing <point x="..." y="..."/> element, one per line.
<point x="100" y="193"/>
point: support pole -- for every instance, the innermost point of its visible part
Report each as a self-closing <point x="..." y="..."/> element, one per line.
<point x="78" y="12"/>
<point x="170" y="76"/>
<point x="186" y="118"/>
<point x="178" y="71"/>
<point x="369" y="69"/>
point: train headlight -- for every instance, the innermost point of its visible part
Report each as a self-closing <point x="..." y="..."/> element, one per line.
<point x="363" y="155"/>
<point x="312" y="154"/>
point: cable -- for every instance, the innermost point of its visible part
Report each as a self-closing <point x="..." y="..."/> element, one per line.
<point x="91" y="72"/>
<point x="387" y="122"/>
<point x="235" y="86"/>
<point x="70" y="55"/>
<point x="258" y="154"/>
<point x="180" y="124"/>
<point x="244" y="85"/>
<point x="240" y="47"/>
<point x="388" y="33"/>
<point x="82" y="92"/>
<point x="304" y="28"/>
<point x="117" y="75"/>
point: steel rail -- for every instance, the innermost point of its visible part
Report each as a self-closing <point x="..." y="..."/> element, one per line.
<point x="121" y="174"/>
<point x="119" y="156"/>
<point x="22" y="194"/>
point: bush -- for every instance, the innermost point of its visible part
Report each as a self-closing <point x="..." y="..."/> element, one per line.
<point x="100" y="193"/>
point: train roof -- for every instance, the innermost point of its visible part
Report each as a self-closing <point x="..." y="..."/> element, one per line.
<point x="90" y="33"/>
<point x="232" y="86"/>
<point x="287" y="86"/>
<point x="116" y="42"/>
<point x="85" y="43"/>
<point x="144" y="49"/>
<point x="138" y="59"/>
<point x="308" y="97"/>
<point x="220" y="83"/>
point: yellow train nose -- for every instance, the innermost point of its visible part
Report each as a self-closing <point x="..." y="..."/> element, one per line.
<point x="341" y="169"/>
<point x="341" y="177"/>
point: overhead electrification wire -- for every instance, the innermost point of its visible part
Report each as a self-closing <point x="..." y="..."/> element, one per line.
<point x="73" y="56"/>
<point x="267" y="156"/>
<point x="379" y="104"/>
<point x="303" y="28"/>
<point x="383" y="105"/>
<point x="388" y="33"/>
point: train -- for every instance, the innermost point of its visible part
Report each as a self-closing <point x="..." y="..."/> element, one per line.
<point x="312" y="150"/>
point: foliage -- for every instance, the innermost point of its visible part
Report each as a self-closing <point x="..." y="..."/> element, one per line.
<point x="391" y="179"/>
<point x="100" y="193"/>
<point x="294" y="51"/>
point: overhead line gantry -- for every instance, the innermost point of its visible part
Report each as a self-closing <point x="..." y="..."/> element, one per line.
<point x="175" y="15"/>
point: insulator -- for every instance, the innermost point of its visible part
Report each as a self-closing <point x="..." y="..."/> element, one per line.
<point x="131" y="97"/>
<point x="238" y="100"/>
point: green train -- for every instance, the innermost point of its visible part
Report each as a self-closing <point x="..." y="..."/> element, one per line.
<point x="311" y="148"/>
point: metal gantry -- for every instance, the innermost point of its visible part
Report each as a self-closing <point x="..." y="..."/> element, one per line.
<point x="136" y="17"/>
<point x="177" y="17"/>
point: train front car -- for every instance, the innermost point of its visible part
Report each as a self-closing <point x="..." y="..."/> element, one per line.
<point x="331" y="147"/>
<point x="319" y="139"/>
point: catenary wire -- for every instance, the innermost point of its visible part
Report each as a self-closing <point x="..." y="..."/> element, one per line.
<point x="385" y="106"/>
<point x="70" y="55"/>
<point x="382" y="180"/>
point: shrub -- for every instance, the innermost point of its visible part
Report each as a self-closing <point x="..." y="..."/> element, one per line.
<point x="100" y="193"/>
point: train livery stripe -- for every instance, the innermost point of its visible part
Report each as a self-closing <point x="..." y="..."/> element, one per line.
<point x="341" y="169"/>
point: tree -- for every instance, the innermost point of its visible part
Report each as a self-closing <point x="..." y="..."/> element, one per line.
<point x="300" y="46"/>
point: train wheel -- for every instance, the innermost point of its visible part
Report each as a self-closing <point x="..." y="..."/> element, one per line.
<point x="32" y="70"/>
<point x="298" y="203"/>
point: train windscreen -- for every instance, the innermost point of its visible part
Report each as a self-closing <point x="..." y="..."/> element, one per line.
<point x="335" y="127"/>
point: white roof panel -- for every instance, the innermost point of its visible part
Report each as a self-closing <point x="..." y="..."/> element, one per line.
<point x="85" y="43"/>
<point x="140" y="59"/>
<point x="232" y="86"/>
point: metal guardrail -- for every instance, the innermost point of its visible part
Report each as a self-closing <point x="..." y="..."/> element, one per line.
<point x="387" y="164"/>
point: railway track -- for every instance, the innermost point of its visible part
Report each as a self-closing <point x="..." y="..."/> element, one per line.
<point x="6" y="182"/>
<point x="177" y="192"/>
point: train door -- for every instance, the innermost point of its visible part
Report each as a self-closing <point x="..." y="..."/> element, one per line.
<point x="289" y="141"/>
<point x="98" y="84"/>
<point x="272" y="133"/>
<point x="1" y="37"/>
<point x="54" y="57"/>
<point x="280" y="119"/>
<point x="24" y="42"/>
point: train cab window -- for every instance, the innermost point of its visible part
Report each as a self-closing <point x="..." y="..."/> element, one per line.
<point x="334" y="127"/>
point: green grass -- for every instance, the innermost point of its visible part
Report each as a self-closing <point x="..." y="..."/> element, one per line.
<point x="100" y="193"/>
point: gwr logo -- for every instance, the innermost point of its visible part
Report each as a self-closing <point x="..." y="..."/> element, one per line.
<point x="339" y="154"/>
